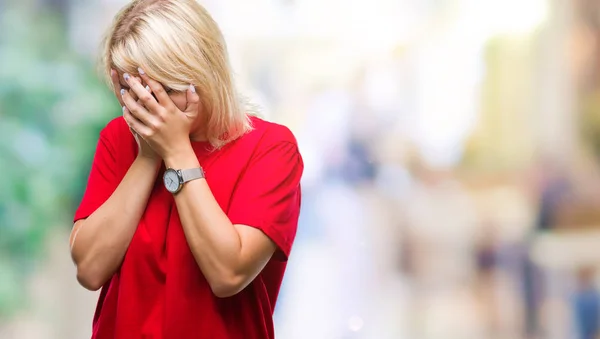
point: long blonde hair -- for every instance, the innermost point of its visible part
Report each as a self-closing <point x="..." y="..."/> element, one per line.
<point x="177" y="43"/>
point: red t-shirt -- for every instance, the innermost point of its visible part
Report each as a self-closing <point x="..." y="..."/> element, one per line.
<point x="159" y="291"/>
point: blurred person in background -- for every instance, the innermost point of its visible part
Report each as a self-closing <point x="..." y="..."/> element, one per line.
<point x="192" y="205"/>
<point x="332" y="288"/>
<point x="553" y="189"/>
<point x="486" y="257"/>
<point x="586" y="305"/>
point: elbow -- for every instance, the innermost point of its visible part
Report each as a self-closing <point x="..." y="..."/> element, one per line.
<point x="88" y="279"/>
<point x="89" y="283"/>
<point x="227" y="286"/>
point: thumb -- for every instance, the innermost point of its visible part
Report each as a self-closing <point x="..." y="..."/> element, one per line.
<point x="193" y="102"/>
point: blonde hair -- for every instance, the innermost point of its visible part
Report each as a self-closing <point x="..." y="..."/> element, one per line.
<point x="177" y="43"/>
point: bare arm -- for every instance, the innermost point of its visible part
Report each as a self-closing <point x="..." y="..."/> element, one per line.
<point x="99" y="242"/>
<point x="230" y="256"/>
<point x="102" y="239"/>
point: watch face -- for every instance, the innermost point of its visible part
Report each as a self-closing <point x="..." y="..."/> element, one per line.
<point x="171" y="180"/>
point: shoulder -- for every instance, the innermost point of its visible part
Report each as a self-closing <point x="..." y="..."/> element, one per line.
<point x="118" y="140"/>
<point x="116" y="133"/>
<point x="267" y="134"/>
<point x="266" y="143"/>
<point x="115" y="128"/>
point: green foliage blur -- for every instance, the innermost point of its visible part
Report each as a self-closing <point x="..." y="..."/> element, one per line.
<point x="52" y="106"/>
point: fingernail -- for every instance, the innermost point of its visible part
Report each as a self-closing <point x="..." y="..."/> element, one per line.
<point x="192" y="88"/>
<point x="124" y="108"/>
<point x="122" y="92"/>
<point x="148" y="88"/>
<point x="141" y="71"/>
<point x="126" y="76"/>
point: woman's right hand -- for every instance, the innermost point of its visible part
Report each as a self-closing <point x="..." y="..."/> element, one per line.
<point x="144" y="150"/>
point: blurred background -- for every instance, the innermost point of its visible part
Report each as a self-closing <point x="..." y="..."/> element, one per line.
<point x="452" y="147"/>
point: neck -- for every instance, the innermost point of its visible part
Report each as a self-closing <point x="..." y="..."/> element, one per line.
<point x="198" y="132"/>
<point x="198" y="136"/>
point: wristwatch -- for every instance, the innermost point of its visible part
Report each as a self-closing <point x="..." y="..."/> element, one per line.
<point x="174" y="179"/>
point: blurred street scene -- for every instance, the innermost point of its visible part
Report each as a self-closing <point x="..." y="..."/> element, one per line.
<point x="452" y="147"/>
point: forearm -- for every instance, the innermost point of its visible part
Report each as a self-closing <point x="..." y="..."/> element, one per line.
<point x="104" y="236"/>
<point x="213" y="240"/>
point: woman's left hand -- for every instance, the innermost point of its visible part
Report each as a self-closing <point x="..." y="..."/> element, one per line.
<point x="164" y="126"/>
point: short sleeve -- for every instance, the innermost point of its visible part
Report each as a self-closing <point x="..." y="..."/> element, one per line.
<point x="268" y="194"/>
<point x="102" y="180"/>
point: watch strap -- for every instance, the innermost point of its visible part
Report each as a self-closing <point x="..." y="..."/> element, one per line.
<point x="191" y="174"/>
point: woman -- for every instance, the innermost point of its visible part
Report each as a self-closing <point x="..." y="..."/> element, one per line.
<point x="191" y="206"/>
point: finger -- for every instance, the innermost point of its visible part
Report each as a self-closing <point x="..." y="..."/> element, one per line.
<point x="135" y="125"/>
<point x="193" y="101"/>
<point x="142" y="94"/>
<point x="158" y="90"/>
<point x="139" y="103"/>
<point x="137" y="110"/>
<point x="114" y="76"/>
<point x="136" y="98"/>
